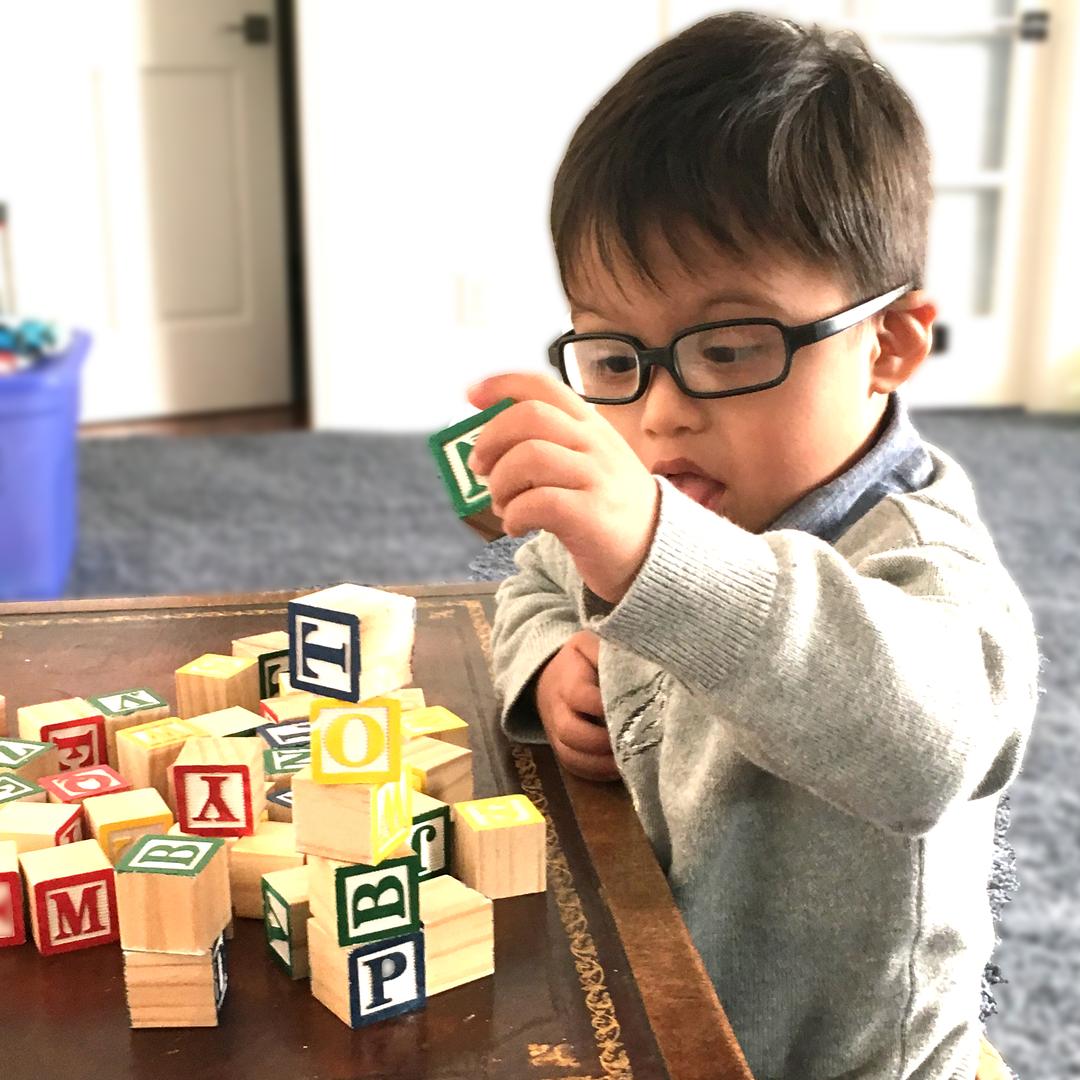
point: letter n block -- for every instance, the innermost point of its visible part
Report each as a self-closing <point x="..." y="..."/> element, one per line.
<point x="356" y="744"/>
<point x="12" y="925"/>
<point x="28" y="758"/>
<point x="363" y="984"/>
<point x="74" y="725"/>
<point x="173" y="894"/>
<point x="72" y="897"/>
<point x="500" y="846"/>
<point x="219" y="786"/>
<point x="366" y="903"/>
<point x="330" y="630"/>
<point x="78" y="784"/>
<point x="213" y="682"/>
<point x="125" y="709"/>
<point x="117" y="820"/>
<point x="351" y="822"/>
<point x="285" y="916"/>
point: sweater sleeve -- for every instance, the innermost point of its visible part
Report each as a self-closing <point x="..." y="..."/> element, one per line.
<point x="534" y="617"/>
<point x="891" y="688"/>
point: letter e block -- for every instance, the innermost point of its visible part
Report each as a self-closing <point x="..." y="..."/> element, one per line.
<point x="213" y="682"/>
<point x="355" y="744"/>
<point x="285" y="916"/>
<point x="12" y="924"/>
<point x="500" y="846"/>
<point x="219" y="786"/>
<point x="125" y="709"/>
<point x="72" y="897"/>
<point x="173" y="893"/>
<point x="74" y="725"/>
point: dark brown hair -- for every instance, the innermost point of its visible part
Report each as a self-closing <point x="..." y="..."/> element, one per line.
<point x="756" y="131"/>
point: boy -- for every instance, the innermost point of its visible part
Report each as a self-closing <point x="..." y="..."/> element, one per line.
<point x="756" y="595"/>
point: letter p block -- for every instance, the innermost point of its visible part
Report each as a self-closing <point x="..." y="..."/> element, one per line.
<point x="356" y="744"/>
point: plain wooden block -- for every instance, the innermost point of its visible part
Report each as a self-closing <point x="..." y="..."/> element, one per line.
<point x="147" y="750"/>
<point x="330" y="630"/>
<point x="271" y="653"/>
<point x="12" y="922"/>
<point x="363" y="984"/>
<point x="28" y="758"/>
<point x="442" y="770"/>
<point x="117" y="820"/>
<point x="459" y="933"/>
<point x="357" y="903"/>
<point x="225" y="723"/>
<point x="351" y="822"/>
<point x="289" y="707"/>
<point x="468" y="491"/>
<point x="285" y="916"/>
<point x="40" y="825"/>
<point x="125" y="709"/>
<point x="176" y="990"/>
<point x="500" y="846"/>
<point x="71" y="893"/>
<point x="74" y="725"/>
<point x="356" y="743"/>
<point x="436" y="722"/>
<point x="431" y="836"/>
<point x="272" y="847"/>
<point x="75" y="785"/>
<point x="173" y="893"/>
<point x="15" y="789"/>
<point x="213" y="682"/>
<point x="217" y="785"/>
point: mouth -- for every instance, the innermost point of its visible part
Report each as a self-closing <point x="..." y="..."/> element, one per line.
<point x="689" y="478"/>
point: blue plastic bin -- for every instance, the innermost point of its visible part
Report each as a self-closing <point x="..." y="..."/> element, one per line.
<point x="39" y="413"/>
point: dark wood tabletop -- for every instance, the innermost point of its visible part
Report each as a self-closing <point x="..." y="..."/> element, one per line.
<point x="596" y="979"/>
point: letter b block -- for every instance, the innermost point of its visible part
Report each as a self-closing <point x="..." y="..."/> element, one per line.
<point x="356" y="744"/>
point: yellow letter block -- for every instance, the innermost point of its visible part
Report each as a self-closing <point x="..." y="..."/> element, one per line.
<point x="146" y="751"/>
<point x="438" y="722"/>
<point x="355" y="744"/>
<point x="214" y="682"/>
<point x="500" y="846"/>
<point x="117" y="820"/>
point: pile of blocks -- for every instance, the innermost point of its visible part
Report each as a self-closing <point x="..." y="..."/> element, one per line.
<point x="301" y="781"/>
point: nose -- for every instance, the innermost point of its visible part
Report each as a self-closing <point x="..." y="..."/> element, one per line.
<point x="667" y="410"/>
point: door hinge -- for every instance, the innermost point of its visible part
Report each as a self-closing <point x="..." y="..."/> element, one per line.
<point x="1034" y="25"/>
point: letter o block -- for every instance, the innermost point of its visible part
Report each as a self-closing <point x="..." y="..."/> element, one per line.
<point x="355" y="744"/>
<point x="500" y="846"/>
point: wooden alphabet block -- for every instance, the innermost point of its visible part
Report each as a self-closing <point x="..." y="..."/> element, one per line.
<point x="15" y="789"/>
<point x="361" y="903"/>
<point x="287" y="736"/>
<point x="431" y="836"/>
<point x="71" y="892"/>
<point x="285" y="686"/>
<point x="35" y="825"/>
<point x="279" y="805"/>
<point x="77" y="784"/>
<point x="218" y="785"/>
<point x="12" y="923"/>
<point x="213" y="682"/>
<point x="356" y="744"/>
<point x="167" y="989"/>
<point x="272" y="847"/>
<point x="74" y="725"/>
<point x="410" y="697"/>
<point x="362" y="984"/>
<point x="351" y="822"/>
<point x="28" y="758"/>
<point x="330" y="629"/>
<point x="442" y="770"/>
<point x="147" y="750"/>
<point x="281" y="764"/>
<point x="459" y="933"/>
<point x="235" y="721"/>
<point x="468" y="491"/>
<point x="436" y="722"/>
<point x="285" y="916"/>
<point x="173" y="893"/>
<point x="125" y="709"/>
<point x="500" y="846"/>
<point x="117" y="820"/>
<point x="288" y="708"/>
<point x="271" y="651"/>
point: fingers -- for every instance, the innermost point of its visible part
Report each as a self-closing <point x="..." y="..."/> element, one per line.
<point x="525" y="386"/>
<point x="587" y="766"/>
<point x="581" y="735"/>
<point x="584" y="697"/>
<point x="587" y="642"/>
<point x="535" y="464"/>
<point x="531" y="420"/>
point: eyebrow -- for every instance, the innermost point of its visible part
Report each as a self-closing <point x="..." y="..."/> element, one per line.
<point x="750" y="299"/>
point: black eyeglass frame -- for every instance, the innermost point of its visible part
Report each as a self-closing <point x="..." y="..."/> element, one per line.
<point x="795" y="337"/>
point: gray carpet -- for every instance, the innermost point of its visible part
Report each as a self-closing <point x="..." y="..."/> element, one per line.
<point x="296" y="509"/>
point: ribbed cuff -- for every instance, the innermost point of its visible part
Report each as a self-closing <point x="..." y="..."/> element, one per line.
<point x="701" y="596"/>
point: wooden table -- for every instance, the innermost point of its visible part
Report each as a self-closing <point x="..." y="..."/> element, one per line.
<point x="594" y="980"/>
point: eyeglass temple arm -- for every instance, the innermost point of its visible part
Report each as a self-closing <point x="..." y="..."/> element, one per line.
<point x="808" y="333"/>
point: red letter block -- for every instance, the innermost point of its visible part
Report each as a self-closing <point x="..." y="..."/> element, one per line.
<point x="12" y="927"/>
<point x="77" y="784"/>
<point x="219" y="786"/>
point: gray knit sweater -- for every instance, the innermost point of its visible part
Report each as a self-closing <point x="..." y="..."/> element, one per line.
<point x="815" y="735"/>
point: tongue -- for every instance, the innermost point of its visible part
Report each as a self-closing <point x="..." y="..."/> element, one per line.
<point x="699" y="488"/>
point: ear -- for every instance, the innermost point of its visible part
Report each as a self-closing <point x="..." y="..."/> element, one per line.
<point x="904" y="338"/>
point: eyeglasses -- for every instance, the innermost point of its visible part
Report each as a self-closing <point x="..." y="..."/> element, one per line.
<point x="710" y="360"/>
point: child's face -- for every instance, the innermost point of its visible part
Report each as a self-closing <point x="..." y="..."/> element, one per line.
<point x="763" y="450"/>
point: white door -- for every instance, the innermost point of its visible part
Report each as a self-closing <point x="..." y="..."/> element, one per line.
<point x="969" y="71"/>
<point x="142" y="174"/>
